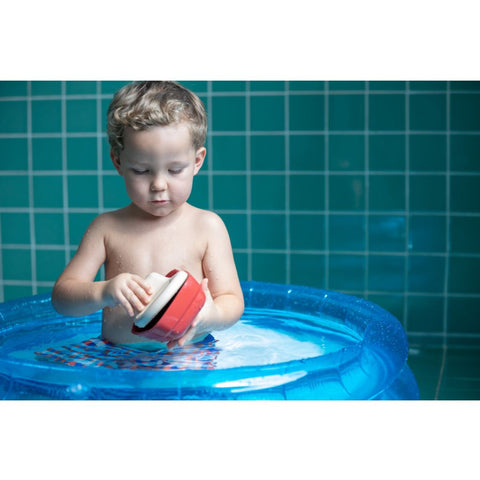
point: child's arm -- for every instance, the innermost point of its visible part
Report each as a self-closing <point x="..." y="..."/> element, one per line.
<point x="224" y="298"/>
<point x="76" y="293"/>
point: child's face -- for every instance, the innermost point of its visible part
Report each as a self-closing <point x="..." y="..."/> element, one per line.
<point x="158" y="166"/>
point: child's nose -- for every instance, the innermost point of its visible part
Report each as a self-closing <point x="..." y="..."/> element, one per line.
<point x="159" y="183"/>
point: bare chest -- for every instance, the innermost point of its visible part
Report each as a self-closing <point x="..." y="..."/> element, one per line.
<point x="142" y="251"/>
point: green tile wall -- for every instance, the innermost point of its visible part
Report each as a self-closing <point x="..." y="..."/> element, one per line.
<point x="370" y="188"/>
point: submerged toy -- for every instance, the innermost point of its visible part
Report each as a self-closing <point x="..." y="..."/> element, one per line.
<point x="177" y="299"/>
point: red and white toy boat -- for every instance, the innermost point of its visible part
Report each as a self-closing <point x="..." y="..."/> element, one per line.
<point x="177" y="299"/>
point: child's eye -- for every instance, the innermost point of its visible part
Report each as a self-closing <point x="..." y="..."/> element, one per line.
<point x="137" y="171"/>
<point x="176" y="171"/>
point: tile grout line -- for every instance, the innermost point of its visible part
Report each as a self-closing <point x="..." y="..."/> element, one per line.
<point x="210" y="151"/>
<point x="31" y="202"/>
<point x="407" y="207"/>
<point x="66" y="223"/>
<point x="447" y="219"/>
<point x="326" y="181"/>
<point x="248" y="148"/>
<point x="440" y="375"/>
<point x="367" y="189"/>
<point x="288" y="240"/>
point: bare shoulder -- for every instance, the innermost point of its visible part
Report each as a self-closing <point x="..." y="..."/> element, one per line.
<point x="108" y="220"/>
<point x="208" y="221"/>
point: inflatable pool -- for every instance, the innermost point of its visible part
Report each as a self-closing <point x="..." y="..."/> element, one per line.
<point x="291" y="343"/>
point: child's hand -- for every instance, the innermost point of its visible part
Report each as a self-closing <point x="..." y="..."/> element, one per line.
<point x="202" y="322"/>
<point x="129" y="290"/>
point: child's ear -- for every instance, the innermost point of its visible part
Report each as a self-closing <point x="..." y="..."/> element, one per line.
<point x="199" y="159"/>
<point x="115" y="161"/>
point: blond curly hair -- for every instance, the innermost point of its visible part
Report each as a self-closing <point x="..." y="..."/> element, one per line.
<point x="142" y="105"/>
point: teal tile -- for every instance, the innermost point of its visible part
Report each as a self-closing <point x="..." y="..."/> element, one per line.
<point x="346" y="85"/>
<point x="427" y="193"/>
<point x="268" y="192"/>
<point x="428" y="86"/>
<point x="464" y="153"/>
<point x="306" y="112"/>
<point x="16" y="264"/>
<point x="346" y="152"/>
<point x="346" y="192"/>
<point x="49" y="229"/>
<point x="386" y="273"/>
<point x="13" y="154"/>
<point x="48" y="192"/>
<point x="267" y="152"/>
<point x="464" y="196"/>
<point x="391" y="302"/>
<point x="13" y="89"/>
<point x="306" y="86"/>
<point x="427" y="233"/>
<point x="346" y="112"/>
<point x="386" y="233"/>
<point x="114" y="193"/>
<point x="307" y="192"/>
<point x="12" y="292"/>
<point x="229" y="152"/>
<point x="83" y="191"/>
<point x="267" y="86"/>
<point x="229" y="192"/>
<point x="463" y="315"/>
<point x="307" y="269"/>
<point x="346" y="233"/>
<point x="225" y="86"/>
<point x="241" y="262"/>
<point x="15" y="228"/>
<point x="46" y="88"/>
<point x="454" y="388"/>
<point x="46" y="116"/>
<point x="228" y="114"/>
<point x="463" y="275"/>
<point x="386" y="152"/>
<point x="106" y="159"/>
<point x="49" y="264"/>
<point x="426" y="366"/>
<point x="465" y="234"/>
<point x="237" y="229"/>
<point x="428" y="153"/>
<point x="77" y="226"/>
<point x="346" y="272"/>
<point x="386" y="112"/>
<point x="112" y="86"/>
<point x="426" y="274"/>
<point x="81" y="87"/>
<point x="104" y="104"/>
<point x="269" y="267"/>
<point x="425" y="313"/>
<point x="465" y="111"/>
<point x="462" y="363"/>
<point x="465" y="86"/>
<point x="388" y="85"/>
<point x="197" y="87"/>
<point x="81" y="153"/>
<point x="81" y="116"/>
<point x="307" y="232"/>
<point x="267" y="113"/>
<point x="307" y="152"/>
<point x="428" y="112"/>
<point x="14" y="191"/>
<point x="13" y="117"/>
<point x="268" y="231"/>
<point x="47" y="153"/>
<point x="386" y="193"/>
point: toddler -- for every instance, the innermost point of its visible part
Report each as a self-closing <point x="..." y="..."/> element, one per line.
<point x="157" y="132"/>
